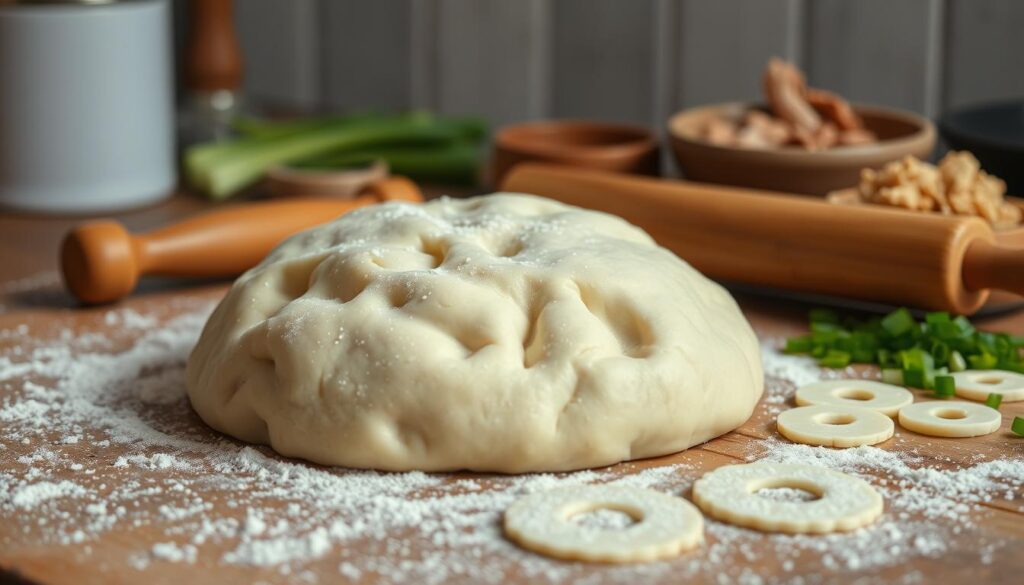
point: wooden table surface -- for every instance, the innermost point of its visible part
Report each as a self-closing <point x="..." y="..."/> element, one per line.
<point x="30" y="294"/>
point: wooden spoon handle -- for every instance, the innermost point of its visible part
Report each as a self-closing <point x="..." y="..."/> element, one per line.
<point x="102" y="261"/>
<point x="213" y="60"/>
<point x="989" y="265"/>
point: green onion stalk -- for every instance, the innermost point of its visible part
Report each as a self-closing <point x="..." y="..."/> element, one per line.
<point x="222" y="169"/>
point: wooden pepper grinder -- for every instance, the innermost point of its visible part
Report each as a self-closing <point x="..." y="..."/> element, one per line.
<point x="213" y="72"/>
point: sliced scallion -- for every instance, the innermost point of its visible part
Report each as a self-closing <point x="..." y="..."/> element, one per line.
<point x="1017" y="426"/>
<point x="835" y="359"/>
<point x="984" y="361"/>
<point x="945" y="387"/>
<point x="799" y="345"/>
<point x="994" y="400"/>
<point x="892" y="376"/>
<point x="936" y="346"/>
<point x="824" y="316"/>
<point x="957" y="363"/>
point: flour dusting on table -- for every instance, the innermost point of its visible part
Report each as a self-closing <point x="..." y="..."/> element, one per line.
<point x="97" y="438"/>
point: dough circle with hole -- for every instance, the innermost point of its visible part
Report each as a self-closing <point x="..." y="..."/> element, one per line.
<point x="843" y="502"/>
<point x="885" y="398"/>
<point x="833" y="425"/>
<point x="663" y="525"/>
<point x="950" y="418"/>
<point x="502" y="333"/>
<point x="978" y="384"/>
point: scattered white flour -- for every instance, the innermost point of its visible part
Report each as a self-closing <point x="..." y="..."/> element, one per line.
<point x="129" y="319"/>
<point x="96" y="435"/>
<point x="170" y="551"/>
<point x="32" y="495"/>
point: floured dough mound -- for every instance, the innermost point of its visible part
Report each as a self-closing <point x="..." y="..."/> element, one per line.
<point x="502" y="333"/>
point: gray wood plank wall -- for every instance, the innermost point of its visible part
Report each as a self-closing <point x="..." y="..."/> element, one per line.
<point x="625" y="60"/>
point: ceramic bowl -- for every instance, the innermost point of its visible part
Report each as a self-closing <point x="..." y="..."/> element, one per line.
<point x="792" y="169"/>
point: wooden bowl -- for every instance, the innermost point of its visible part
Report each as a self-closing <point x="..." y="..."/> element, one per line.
<point x="792" y="169"/>
<point x="593" y="145"/>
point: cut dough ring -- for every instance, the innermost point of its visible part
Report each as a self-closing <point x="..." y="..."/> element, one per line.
<point x="963" y="419"/>
<point x="885" y="398"/>
<point x="844" y="502"/>
<point x="978" y="384"/>
<point x="665" y="525"/>
<point x="831" y="425"/>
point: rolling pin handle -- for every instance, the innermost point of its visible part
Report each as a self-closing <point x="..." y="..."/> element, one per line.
<point x="395" y="188"/>
<point x="989" y="265"/>
<point x="102" y="261"/>
<point x="99" y="261"/>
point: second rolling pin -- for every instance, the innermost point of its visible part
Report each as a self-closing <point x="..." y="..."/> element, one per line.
<point x="102" y="261"/>
<point x="738" y="235"/>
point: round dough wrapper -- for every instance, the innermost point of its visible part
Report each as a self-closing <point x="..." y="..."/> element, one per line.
<point x="956" y="419"/>
<point x="500" y="333"/>
<point x="978" y="384"/>
<point x="843" y="502"/>
<point x="663" y="525"/>
<point x="832" y="425"/>
<point x="885" y="398"/>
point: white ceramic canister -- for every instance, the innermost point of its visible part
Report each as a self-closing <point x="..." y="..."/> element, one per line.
<point x="86" y="104"/>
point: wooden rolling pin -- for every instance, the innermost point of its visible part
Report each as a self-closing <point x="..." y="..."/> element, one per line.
<point x="921" y="260"/>
<point x="731" y="234"/>
<point x="102" y="262"/>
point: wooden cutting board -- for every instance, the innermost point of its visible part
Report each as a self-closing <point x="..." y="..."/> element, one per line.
<point x="34" y="300"/>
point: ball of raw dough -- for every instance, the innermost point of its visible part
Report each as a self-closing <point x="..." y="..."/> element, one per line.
<point x="503" y="333"/>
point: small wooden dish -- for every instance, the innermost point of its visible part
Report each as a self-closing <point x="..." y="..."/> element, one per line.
<point x="593" y="145"/>
<point x="285" y="181"/>
<point x="791" y="169"/>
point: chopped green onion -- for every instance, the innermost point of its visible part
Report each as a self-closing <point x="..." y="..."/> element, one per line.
<point x="862" y="356"/>
<point x="1013" y="367"/>
<point x="898" y="322"/>
<point x="824" y="316"/>
<point x="884" y="357"/>
<point x="918" y="368"/>
<point x="916" y="359"/>
<point x="798" y="345"/>
<point x="1017" y="426"/>
<point x="892" y="376"/>
<point x="913" y="378"/>
<point x="824" y="327"/>
<point x="835" y="359"/>
<point x="940" y="351"/>
<point x="945" y="387"/>
<point x="957" y="363"/>
<point x="963" y="325"/>
<point x="984" y="361"/>
<point x="994" y="400"/>
<point x="921" y="351"/>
